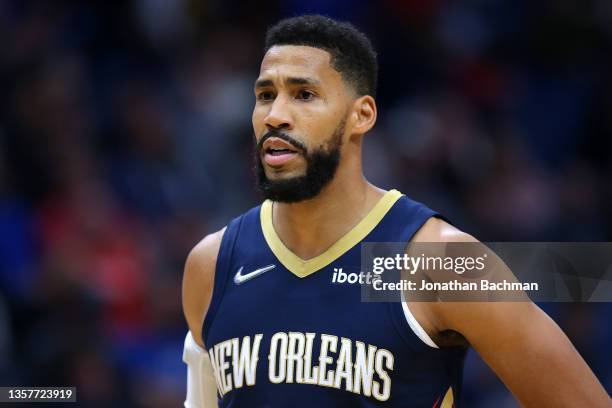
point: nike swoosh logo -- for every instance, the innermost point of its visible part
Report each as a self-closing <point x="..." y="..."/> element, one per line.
<point x="240" y="278"/>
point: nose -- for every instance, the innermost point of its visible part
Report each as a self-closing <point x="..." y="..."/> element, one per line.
<point x="279" y="115"/>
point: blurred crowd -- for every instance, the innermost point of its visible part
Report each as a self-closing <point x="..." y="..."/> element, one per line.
<point x="125" y="137"/>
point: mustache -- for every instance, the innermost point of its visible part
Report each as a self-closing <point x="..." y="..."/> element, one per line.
<point x="284" y="136"/>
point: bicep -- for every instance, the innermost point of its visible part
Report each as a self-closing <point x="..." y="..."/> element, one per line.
<point x="529" y="352"/>
<point x="198" y="282"/>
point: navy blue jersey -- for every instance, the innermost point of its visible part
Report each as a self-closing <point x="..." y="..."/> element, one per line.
<point x="280" y="332"/>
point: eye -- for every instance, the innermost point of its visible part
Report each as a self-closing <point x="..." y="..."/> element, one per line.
<point x="265" y="96"/>
<point x="305" y="95"/>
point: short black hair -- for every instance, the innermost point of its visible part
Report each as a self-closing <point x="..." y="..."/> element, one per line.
<point x="352" y="54"/>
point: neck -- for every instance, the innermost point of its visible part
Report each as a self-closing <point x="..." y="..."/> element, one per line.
<point x="310" y="227"/>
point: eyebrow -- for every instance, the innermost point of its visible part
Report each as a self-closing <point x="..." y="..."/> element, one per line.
<point x="263" y="83"/>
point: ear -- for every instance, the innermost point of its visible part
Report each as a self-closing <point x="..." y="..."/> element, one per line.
<point x="364" y="114"/>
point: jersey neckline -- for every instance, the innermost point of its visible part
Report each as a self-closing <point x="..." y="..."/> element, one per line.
<point x="304" y="267"/>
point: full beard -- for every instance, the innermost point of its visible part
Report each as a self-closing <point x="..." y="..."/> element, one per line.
<point x="321" y="166"/>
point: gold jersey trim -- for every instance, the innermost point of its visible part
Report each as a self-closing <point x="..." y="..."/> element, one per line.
<point x="304" y="267"/>
<point x="448" y="401"/>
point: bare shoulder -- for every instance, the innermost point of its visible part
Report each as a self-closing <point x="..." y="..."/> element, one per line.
<point x="198" y="281"/>
<point x="432" y="315"/>
<point x="437" y="230"/>
<point x="205" y="252"/>
<point x="464" y="317"/>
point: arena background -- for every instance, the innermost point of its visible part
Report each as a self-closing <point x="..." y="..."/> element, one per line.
<point x="125" y="137"/>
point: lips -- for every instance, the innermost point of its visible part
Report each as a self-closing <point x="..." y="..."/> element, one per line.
<point x="278" y="152"/>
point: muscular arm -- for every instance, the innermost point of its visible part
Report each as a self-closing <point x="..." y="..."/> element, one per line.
<point x="525" y="348"/>
<point x="198" y="282"/>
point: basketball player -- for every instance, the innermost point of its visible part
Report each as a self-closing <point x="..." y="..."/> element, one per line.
<point x="269" y="328"/>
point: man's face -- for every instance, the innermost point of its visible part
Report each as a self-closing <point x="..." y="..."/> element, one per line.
<point x="298" y="120"/>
